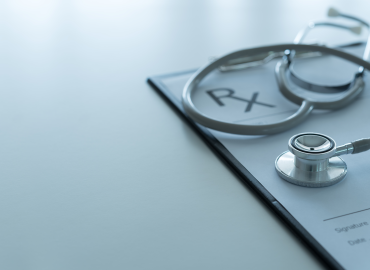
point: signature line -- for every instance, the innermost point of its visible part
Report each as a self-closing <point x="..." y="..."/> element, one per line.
<point x="347" y="214"/>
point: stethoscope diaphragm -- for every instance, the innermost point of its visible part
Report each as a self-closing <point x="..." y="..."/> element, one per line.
<point x="313" y="160"/>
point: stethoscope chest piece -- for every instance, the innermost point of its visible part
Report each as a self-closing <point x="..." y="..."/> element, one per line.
<point x="311" y="161"/>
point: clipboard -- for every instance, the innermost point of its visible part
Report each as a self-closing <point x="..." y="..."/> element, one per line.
<point x="243" y="174"/>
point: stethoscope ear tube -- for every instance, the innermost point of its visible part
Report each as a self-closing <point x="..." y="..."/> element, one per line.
<point x="306" y="105"/>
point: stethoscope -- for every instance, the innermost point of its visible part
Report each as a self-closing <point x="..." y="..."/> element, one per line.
<point x="312" y="159"/>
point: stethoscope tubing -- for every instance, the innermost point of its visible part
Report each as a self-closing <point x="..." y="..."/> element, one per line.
<point x="307" y="105"/>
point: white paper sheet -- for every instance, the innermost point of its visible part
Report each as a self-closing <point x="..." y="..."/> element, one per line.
<point x="337" y="216"/>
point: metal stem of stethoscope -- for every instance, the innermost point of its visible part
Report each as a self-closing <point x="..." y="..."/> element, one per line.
<point x="335" y="13"/>
<point x="313" y="159"/>
<point x="354" y="29"/>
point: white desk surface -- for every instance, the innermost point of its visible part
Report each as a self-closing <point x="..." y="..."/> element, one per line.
<point x="97" y="171"/>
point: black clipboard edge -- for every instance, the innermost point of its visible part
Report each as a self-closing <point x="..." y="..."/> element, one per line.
<point x="243" y="174"/>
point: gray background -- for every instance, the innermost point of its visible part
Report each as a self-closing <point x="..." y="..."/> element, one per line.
<point x="97" y="171"/>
